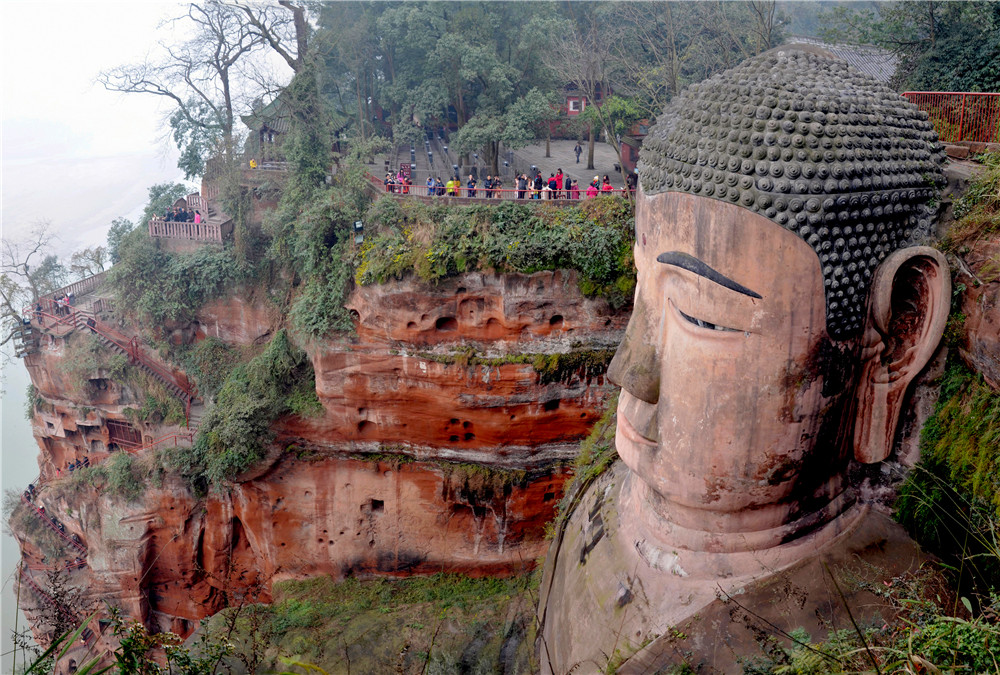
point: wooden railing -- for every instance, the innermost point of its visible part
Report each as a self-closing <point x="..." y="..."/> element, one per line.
<point x="77" y="288"/>
<point x="192" y="231"/>
<point x="196" y="202"/>
<point x="960" y="116"/>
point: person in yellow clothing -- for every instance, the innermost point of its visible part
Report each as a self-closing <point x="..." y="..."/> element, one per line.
<point x="452" y="186"/>
<point x="253" y="163"/>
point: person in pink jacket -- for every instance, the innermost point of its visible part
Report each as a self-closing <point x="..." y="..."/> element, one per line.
<point x="591" y="191"/>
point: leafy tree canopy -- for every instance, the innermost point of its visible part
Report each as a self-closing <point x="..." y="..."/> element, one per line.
<point x="942" y="46"/>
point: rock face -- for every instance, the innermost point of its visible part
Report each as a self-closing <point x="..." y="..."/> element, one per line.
<point x="447" y="422"/>
<point x="981" y="307"/>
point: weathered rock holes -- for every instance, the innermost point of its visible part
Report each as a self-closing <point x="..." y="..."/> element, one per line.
<point x="411" y="325"/>
<point x="446" y="323"/>
<point x="466" y="424"/>
<point x="453" y="439"/>
<point x="364" y="426"/>
<point x="461" y="289"/>
<point x="548" y="496"/>
<point x="549" y="406"/>
<point x="355" y="316"/>
<point x="378" y="506"/>
<point x="556" y="321"/>
<point x="470" y="437"/>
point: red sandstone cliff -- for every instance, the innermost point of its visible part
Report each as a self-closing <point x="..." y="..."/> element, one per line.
<point x="446" y="424"/>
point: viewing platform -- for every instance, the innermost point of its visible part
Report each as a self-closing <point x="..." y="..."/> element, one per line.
<point x="215" y="226"/>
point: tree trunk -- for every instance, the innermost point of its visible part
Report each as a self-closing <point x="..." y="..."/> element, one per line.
<point x="493" y="157"/>
<point x="548" y="141"/>
<point x="590" y="146"/>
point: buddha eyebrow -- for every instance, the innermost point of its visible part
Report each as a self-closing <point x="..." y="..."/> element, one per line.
<point x="692" y="264"/>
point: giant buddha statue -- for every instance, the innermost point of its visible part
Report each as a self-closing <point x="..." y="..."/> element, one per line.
<point x="782" y="309"/>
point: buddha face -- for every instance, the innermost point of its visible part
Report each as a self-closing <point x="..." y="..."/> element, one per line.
<point x="733" y="400"/>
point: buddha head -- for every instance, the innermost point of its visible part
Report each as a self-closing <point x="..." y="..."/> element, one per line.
<point x="782" y="306"/>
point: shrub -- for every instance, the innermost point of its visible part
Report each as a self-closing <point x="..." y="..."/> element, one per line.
<point x="235" y="432"/>
<point x="951" y="501"/>
<point x="977" y="212"/>
<point x="441" y="241"/>
<point x="123" y="476"/>
<point x="155" y="286"/>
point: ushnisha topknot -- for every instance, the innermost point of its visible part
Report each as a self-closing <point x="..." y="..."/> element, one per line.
<point x="817" y="147"/>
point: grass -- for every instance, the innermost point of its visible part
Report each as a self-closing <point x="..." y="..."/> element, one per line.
<point x="444" y="623"/>
<point x="442" y="240"/>
<point x="597" y="454"/>
<point x="977" y="212"/>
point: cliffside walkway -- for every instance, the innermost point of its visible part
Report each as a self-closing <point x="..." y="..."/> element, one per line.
<point x="176" y="384"/>
<point x="88" y="636"/>
<point x="478" y="195"/>
<point x="48" y="520"/>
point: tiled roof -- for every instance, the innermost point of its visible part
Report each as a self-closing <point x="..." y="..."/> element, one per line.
<point x="872" y="61"/>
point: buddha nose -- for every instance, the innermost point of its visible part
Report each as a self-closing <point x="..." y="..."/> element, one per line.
<point x="635" y="366"/>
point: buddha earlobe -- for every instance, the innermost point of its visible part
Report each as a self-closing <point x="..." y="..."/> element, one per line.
<point x="907" y="311"/>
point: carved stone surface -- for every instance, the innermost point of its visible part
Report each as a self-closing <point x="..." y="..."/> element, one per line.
<point x="815" y="146"/>
<point x="781" y="313"/>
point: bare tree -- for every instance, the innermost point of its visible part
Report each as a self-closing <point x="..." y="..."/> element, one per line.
<point x="201" y="76"/>
<point x="88" y="262"/>
<point x="22" y="277"/>
<point x="280" y="29"/>
<point x="582" y="54"/>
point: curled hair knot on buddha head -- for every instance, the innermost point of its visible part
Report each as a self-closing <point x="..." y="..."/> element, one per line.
<point x="817" y="147"/>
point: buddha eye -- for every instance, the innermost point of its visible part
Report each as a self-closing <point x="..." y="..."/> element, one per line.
<point x="707" y="324"/>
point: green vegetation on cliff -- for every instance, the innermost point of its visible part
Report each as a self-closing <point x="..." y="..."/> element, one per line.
<point x="154" y="286"/>
<point x="235" y="432"/>
<point x="445" y="623"/>
<point x="977" y="214"/>
<point x="951" y="501"/>
<point x="438" y="241"/>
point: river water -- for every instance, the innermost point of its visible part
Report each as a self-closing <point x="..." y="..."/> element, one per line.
<point x="90" y="192"/>
<point x="20" y="453"/>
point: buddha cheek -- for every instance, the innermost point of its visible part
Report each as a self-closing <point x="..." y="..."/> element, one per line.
<point x="719" y="420"/>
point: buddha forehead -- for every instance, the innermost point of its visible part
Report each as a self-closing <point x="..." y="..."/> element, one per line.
<point x="814" y="146"/>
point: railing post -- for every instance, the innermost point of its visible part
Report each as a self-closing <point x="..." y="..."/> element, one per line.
<point x="961" y="118"/>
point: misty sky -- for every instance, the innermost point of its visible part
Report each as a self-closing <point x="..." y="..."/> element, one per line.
<point x="72" y="153"/>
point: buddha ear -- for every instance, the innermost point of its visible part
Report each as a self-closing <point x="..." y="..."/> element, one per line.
<point x="907" y="311"/>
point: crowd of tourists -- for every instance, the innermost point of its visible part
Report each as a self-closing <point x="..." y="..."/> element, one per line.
<point x="558" y="186"/>
<point x="177" y="214"/>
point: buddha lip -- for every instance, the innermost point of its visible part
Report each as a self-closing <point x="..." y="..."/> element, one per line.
<point x="630" y="432"/>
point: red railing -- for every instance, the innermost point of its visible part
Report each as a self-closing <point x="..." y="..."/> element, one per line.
<point x="529" y="194"/>
<point x="87" y="636"/>
<point x="129" y="346"/>
<point x="68" y="565"/>
<point x="55" y="528"/>
<point x="184" y="435"/>
<point x="960" y="116"/>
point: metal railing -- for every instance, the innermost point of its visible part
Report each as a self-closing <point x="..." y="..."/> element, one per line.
<point x="47" y="519"/>
<point x="960" y="116"/>
<point x="479" y="193"/>
<point x="79" y="320"/>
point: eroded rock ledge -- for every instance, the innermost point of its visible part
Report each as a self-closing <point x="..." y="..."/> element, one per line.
<point x="443" y="445"/>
